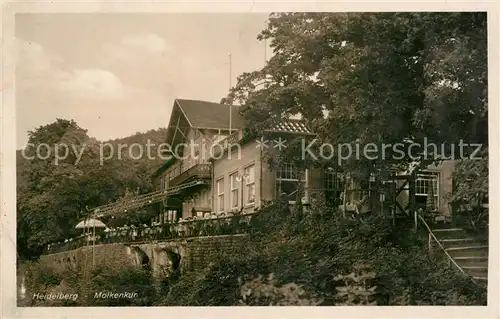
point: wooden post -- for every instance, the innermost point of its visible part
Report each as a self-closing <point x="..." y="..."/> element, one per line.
<point x="430" y="243"/>
<point x="411" y="193"/>
<point x="345" y="194"/>
<point x="415" y="216"/>
<point x="306" y="190"/>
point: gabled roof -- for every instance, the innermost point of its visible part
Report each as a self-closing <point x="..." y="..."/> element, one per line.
<point x="210" y="115"/>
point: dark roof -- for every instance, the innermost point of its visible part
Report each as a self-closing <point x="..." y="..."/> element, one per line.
<point x="289" y="126"/>
<point x="209" y="115"/>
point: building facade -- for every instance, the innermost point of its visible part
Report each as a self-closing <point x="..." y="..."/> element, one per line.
<point x="213" y="170"/>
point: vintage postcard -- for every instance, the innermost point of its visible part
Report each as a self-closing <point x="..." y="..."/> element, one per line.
<point x="249" y="159"/>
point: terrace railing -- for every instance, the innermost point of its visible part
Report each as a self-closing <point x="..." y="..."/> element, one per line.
<point x="222" y="225"/>
<point x="198" y="170"/>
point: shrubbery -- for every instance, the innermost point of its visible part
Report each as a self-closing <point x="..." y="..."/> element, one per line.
<point x="297" y="258"/>
<point x="42" y="278"/>
<point x="314" y="252"/>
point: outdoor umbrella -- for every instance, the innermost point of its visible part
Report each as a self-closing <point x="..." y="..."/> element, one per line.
<point x="88" y="223"/>
<point x="91" y="223"/>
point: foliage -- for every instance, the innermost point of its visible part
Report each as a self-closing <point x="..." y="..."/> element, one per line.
<point x="42" y="277"/>
<point x="362" y="78"/>
<point x="260" y="291"/>
<point x="355" y="291"/>
<point x="316" y="258"/>
<point x="314" y="253"/>
<point x="46" y="275"/>
<point x="52" y="198"/>
<point x="471" y="179"/>
<point x="123" y="280"/>
<point x="470" y="193"/>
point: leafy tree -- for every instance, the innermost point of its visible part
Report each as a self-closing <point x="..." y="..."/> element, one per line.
<point x="52" y="198"/>
<point x="363" y="78"/>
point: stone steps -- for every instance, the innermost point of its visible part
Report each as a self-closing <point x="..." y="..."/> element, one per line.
<point x="460" y="242"/>
<point x="476" y="271"/>
<point x="450" y="233"/>
<point x="469" y="253"/>
<point x="472" y="261"/>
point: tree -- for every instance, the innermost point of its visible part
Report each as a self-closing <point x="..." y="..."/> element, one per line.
<point x="52" y="198"/>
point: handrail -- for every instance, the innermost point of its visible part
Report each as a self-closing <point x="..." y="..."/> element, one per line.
<point x="439" y="244"/>
<point x="197" y="169"/>
<point x="176" y="230"/>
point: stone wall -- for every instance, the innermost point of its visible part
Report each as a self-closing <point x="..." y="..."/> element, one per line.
<point x="115" y="255"/>
<point x="203" y="250"/>
<point x="189" y="254"/>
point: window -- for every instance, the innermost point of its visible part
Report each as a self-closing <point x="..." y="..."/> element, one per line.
<point x="427" y="190"/>
<point x="389" y="191"/>
<point x="173" y="173"/>
<point x="288" y="171"/>
<point x="197" y="159"/>
<point x="334" y="186"/>
<point x="235" y="190"/>
<point x="249" y="174"/>
<point x="204" y="198"/>
<point x="287" y="180"/>
<point x="165" y="182"/>
<point x="220" y="195"/>
<point x="372" y="187"/>
<point x="208" y="202"/>
<point x="333" y="181"/>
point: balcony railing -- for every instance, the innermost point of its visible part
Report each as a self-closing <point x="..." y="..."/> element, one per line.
<point x="197" y="171"/>
<point x="198" y="227"/>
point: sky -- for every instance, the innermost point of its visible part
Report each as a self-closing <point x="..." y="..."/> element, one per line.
<point x="118" y="74"/>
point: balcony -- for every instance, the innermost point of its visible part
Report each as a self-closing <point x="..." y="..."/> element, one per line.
<point x="198" y="171"/>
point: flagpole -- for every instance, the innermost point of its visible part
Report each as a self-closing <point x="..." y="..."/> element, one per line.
<point x="230" y="102"/>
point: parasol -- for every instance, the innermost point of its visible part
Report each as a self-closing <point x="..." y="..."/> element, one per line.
<point x="88" y="223"/>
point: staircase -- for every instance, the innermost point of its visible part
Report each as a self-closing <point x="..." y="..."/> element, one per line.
<point x="469" y="253"/>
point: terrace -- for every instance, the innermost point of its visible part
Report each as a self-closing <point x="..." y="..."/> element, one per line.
<point x="210" y="225"/>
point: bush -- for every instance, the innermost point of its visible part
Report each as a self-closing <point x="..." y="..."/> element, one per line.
<point x="296" y="258"/>
<point x="42" y="278"/>
<point x="312" y="252"/>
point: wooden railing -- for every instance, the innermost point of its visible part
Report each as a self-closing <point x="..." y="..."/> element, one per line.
<point x="131" y="203"/>
<point x="197" y="227"/>
<point x="139" y="201"/>
<point x="432" y="237"/>
<point x="198" y="170"/>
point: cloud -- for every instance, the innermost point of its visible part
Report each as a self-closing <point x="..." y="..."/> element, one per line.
<point x="92" y="83"/>
<point x="138" y="47"/>
<point x="40" y="70"/>
<point x="32" y="59"/>
<point x="149" y="42"/>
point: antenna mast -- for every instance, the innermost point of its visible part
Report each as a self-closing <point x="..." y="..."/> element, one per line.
<point x="265" y="56"/>
<point x="265" y="51"/>
<point x="230" y="102"/>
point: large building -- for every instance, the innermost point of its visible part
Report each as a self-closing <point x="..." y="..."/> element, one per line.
<point x="214" y="169"/>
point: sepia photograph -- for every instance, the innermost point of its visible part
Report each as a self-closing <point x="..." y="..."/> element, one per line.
<point x="252" y="159"/>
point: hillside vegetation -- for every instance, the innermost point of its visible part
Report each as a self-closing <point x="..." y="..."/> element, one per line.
<point x="52" y="199"/>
